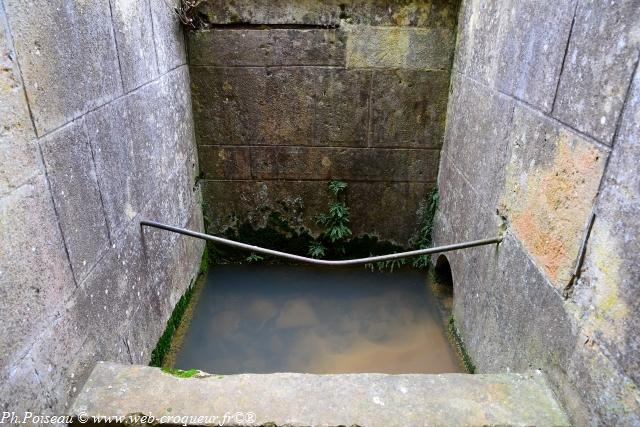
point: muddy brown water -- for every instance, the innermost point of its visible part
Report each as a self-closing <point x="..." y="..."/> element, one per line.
<point x="265" y="318"/>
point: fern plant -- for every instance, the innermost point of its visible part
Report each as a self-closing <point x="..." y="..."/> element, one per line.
<point x="335" y="223"/>
<point x="424" y="236"/>
<point x="317" y="250"/>
<point x="253" y="257"/>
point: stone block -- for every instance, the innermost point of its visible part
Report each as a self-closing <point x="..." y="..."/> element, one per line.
<point x="371" y="214"/>
<point x="478" y="42"/>
<point x="435" y="14"/>
<point x="134" y="36"/>
<point x="230" y="47"/>
<point x="20" y="389"/>
<point x="74" y="187"/>
<point x="551" y="183"/>
<point x="610" y="286"/>
<point x="408" y="108"/>
<point x="226" y="104"/>
<point x="463" y="205"/>
<point x="611" y="393"/>
<point x="254" y="105"/>
<point x="287" y="112"/>
<point x="171" y="263"/>
<point x="66" y="73"/>
<point x="226" y="162"/>
<point x="117" y="285"/>
<point x="533" y="38"/>
<point x="308" y="47"/>
<point x="456" y="399"/>
<point x="63" y="357"/>
<point x="543" y="337"/>
<point x="342" y="107"/>
<point x="601" y="57"/>
<point x="35" y="276"/>
<point x="511" y="318"/>
<point x="311" y="163"/>
<point x="299" y="203"/>
<point x="431" y="49"/>
<point x="124" y="160"/>
<point x="266" y="47"/>
<point x="169" y="37"/>
<point x="476" y="137"/>
<point x="128" y="291"/>
<point x="466" y="220"/>
<point x="399" y="47"/>
<point x="174" y="97"/>
<point x="18" y="151"/>
<point x="133" y="152"/>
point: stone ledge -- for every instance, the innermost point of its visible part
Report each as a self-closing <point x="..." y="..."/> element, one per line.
<point x="323" y="400"/>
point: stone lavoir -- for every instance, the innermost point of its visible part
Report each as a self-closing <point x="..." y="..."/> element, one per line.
<point x="327" y="129"/>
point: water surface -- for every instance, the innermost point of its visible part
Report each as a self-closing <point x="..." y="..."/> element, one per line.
<point x="266" y="318"/>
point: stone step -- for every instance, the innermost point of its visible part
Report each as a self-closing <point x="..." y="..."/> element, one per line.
<point x="318" y="400"/>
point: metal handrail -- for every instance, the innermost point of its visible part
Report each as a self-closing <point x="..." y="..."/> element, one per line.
<point x="258" y="249"/>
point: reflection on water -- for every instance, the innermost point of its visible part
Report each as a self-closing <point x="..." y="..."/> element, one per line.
<point x="265" y="318"/>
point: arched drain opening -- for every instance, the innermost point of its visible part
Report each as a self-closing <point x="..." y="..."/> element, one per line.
<point x="443" y="273"/>
<point x="441" y="280"/>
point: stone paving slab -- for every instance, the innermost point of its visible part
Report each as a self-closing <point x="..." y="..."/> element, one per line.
<point x="321" y="400"/>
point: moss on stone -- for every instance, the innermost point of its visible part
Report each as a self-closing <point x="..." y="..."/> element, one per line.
<point x="164" y="343"/>
<point x="458" y="345"/>
<point x="180" y="373"/>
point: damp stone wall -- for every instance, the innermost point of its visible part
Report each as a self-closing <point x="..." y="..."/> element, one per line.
<point x="288" y="95"/>
<point x="96" y="134"/>
<point x="542" y="132"/>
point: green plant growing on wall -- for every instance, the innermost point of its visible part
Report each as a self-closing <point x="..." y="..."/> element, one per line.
<point x="317" y="250"/>
<point x="335" y="223"/>
<point x="424" y="236"/>
<point x="254" y="257"/>
<point x="422" y="239"/>
<point x="389" y="265"/>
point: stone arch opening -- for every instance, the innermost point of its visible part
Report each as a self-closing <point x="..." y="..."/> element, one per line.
<point x="443" y="275"/>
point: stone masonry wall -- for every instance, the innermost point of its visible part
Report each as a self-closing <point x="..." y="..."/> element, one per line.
<point x="289" y="95"/>
<point x="542" y="130"/>
<point x="96" y="133"/>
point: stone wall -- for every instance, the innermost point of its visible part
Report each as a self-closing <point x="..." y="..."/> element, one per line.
<point x="289" y="95"/>
<point x="96" y="134"/>
<point x="542" y="130"/>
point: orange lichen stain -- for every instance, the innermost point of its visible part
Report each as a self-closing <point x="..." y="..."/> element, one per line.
<point x="549" y="210"/>
<point x="550" y="249"/>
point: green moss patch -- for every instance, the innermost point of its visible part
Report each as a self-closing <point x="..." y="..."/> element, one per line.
<point x="180" y="373"/>
<point x="458" y="345"/>
<point x="163" y="347"/>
